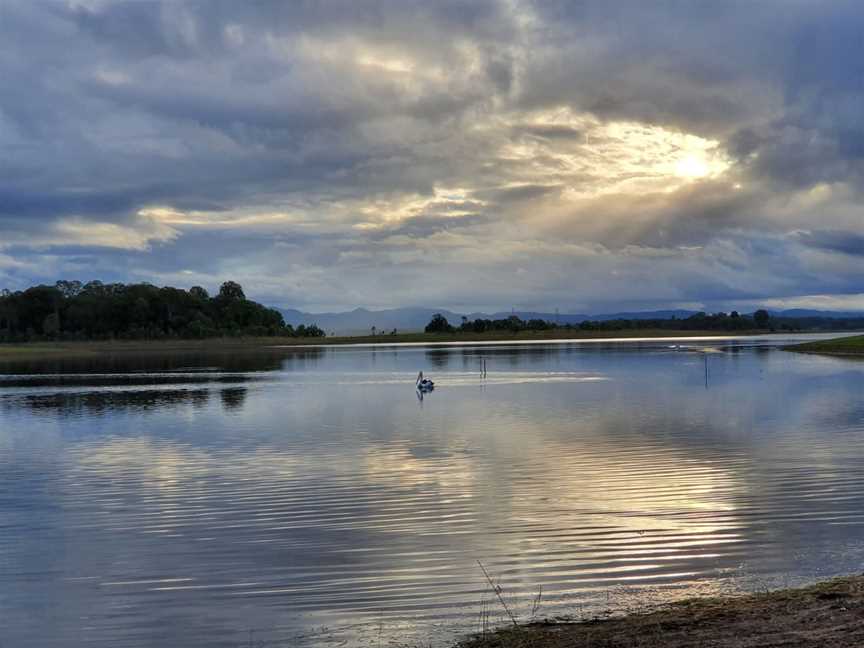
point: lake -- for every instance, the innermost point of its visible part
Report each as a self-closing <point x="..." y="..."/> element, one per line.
<point x="311" y="497"/>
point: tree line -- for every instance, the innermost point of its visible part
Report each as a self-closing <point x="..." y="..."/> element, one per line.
<point x="72" y="310"/>
<point x="731" y="322"/>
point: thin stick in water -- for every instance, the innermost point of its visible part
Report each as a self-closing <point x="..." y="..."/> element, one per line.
<point x="497" y="591"/>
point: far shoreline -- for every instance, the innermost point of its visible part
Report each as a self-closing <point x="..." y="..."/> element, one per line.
<point x="222" y="345"/>
<point x="68" y="349"/>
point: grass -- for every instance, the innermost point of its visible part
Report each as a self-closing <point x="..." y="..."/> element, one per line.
<point x="827" y="615"/>
<point x="132" y="347"/>
<point x="849" y="346"/>
<point x="95" y="348"/>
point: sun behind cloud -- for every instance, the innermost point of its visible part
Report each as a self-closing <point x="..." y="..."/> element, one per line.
<point x="695" y="166"/>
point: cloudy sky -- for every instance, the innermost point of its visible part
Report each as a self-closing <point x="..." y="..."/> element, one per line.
<point x="587" y="156"/>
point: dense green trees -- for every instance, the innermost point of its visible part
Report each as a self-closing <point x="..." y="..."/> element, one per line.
<point x="439" y="324"/>
<point x="732" y="322"/>
<point x="70" y="310"/>
<point x="513" y="324"/>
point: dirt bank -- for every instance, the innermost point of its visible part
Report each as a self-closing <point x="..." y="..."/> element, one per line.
<point x="828" y="615"/>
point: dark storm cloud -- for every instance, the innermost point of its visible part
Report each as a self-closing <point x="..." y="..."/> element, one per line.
<point x="583" y="143"/>
<point x="427" y="225"/>
<point x="554" y="132"/>
<point x="519" y="193"/>
<point x="37" y="204"/>
<point x="684" y="64"/>
<point x="851" y="243"/>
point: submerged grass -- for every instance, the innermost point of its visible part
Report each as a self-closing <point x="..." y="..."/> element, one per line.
<point x="826" y="615"/>
<point x="849" y="346"/>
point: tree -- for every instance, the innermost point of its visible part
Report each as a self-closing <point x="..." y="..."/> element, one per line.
<point x="141" y="312"/>
<point x="69" y="289"/>
<point x="97" y="311"/>
<point x="199" y="293"/>
<point x="51" y="325"/>
<point x="231" y="291"/>
<point x="761" y="318"/>
<point x="438" y="324"/>
<point x="314" y="331"/>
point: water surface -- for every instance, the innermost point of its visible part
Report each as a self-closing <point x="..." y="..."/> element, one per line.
<point x="312" y="497"/>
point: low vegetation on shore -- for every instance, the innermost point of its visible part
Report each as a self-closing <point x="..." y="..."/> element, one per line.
<point x="850" y="346"/>
<point x="827" y="615"/>
<point x="523" y="335"/>
<point x="733" y="322"/>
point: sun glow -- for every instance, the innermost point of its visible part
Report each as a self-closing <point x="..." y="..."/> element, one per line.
<point x="594" y="157"/>
<point x="692" y="167"/>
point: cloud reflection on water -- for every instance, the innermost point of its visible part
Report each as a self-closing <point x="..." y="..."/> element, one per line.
<point x="291" y="501"/>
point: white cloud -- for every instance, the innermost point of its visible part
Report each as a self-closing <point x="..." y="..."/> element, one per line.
<point x="138" y="235"/>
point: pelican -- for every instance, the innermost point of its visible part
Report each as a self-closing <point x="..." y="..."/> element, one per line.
<point x="424" y="384"/>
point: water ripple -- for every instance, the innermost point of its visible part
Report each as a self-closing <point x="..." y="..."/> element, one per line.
<point x="322" y="504"/>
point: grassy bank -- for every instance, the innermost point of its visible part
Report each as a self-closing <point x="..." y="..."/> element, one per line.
<point x="827" y="615"/>
<point x="139" y="347"/>
<point x="850" y="346"/>
<point x="219" y="345"/>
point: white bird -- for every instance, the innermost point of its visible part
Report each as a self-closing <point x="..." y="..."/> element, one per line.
<point x="424" y="384"/>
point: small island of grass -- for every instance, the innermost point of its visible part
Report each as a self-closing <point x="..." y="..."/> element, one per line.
<point x="847" y="346"/>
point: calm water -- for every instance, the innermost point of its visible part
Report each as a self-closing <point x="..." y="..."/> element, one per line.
<point x="310" y="497"/>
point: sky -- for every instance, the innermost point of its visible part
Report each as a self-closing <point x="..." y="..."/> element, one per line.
<point x="476" y="155"/>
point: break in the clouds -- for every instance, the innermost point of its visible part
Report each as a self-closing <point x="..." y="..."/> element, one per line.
<point x="475" y="155"/>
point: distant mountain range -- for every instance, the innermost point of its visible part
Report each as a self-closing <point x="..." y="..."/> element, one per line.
<point x="361" y="320"/>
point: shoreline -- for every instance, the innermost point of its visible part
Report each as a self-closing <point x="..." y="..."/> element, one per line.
<point x="829" y="614"/>
<point x="849" y="347"/>
<point x="99" y="348"/>
<point x="27" y="350"/>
